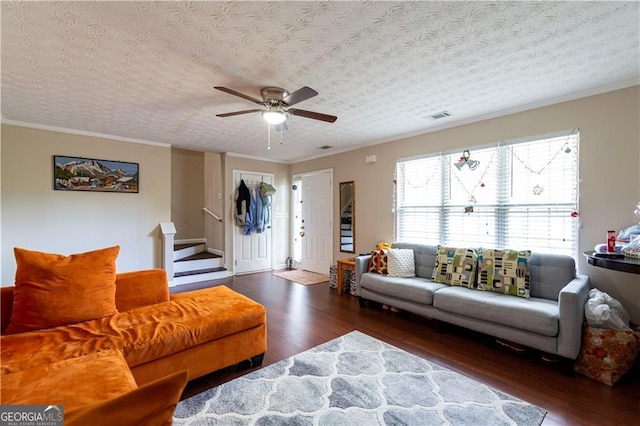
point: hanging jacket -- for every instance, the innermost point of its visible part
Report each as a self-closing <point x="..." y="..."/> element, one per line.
<point x="260" y="217"/>
<point x="251" y="216"/>
<point x="243" y="203"/>
<point x="266" y="212"/>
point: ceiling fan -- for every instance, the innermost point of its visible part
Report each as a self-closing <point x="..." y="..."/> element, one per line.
<point x="277" y="104"/>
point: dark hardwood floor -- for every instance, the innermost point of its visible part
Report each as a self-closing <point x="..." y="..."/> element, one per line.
<point x="300" y="317"/>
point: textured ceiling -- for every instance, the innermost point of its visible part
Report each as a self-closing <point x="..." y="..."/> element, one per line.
<point x="146" y="70"/>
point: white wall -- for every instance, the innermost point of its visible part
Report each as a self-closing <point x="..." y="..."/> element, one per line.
<point x="187" y="193"/>
<point x="609" y="127"/>
<point x="36" y="217"/>
<point x="213" y="200"/>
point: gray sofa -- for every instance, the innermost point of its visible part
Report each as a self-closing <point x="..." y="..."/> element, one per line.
<point x="550" y="320"/>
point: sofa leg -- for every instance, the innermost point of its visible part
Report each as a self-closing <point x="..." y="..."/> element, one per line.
<point x="565" y="365"/>
<point x="438" y="326"/>
<point x="252" y="362"/>
<point x="256" y="361"/>
<point x="362" y="302"/>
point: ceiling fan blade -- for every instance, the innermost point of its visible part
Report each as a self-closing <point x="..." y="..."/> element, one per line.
<point x="242" y="95"/>
<point x="313" y="115"/>
<point x="299" y="95"/>
<point x="282" y="127"/>
<point x="229" y="114"/>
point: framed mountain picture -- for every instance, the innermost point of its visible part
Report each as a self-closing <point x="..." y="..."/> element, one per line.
<point x="89" y="174"/>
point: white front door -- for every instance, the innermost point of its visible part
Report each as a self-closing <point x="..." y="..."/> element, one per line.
<point x="316" y="227"/>
<point x="253" y="251"/>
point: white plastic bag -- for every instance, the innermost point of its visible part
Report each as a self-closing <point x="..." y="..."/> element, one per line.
<point x="603" y="311"/>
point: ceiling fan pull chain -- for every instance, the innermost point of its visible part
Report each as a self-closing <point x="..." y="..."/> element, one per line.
<point x="268" y="137"/>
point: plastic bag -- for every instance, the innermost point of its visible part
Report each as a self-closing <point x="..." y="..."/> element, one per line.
<point x="603" y="311"/>
<point x="626" y="234"/>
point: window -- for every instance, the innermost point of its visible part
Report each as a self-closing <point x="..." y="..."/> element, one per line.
<point x="520" y="195"/>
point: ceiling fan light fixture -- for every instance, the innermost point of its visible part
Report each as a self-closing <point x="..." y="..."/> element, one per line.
<point x="274" y="115"/>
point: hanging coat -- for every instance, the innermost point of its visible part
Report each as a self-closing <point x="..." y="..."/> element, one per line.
<point x="243" y="203"/>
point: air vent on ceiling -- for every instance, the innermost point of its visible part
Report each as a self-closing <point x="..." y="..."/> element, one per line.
<point x="439" y="115"/>
<point x="325" y="147"/>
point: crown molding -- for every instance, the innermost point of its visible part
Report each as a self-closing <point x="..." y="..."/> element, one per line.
<point x="80" y="132"/>
<point x="253" y="157"/>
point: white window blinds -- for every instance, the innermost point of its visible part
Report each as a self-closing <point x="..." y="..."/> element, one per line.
<point x="518" y="195"/>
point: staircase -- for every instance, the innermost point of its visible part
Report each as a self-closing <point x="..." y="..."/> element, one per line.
<point x="346" y="237"/>
<point x="193" y="263"/>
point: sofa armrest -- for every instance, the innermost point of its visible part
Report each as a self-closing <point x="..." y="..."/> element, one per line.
<point x="141" y="288"/>
<point x="571" y="301"/>
<point x="362" y="262"/>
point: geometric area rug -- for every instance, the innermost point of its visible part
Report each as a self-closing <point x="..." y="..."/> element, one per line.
<point x="355" y="380"/>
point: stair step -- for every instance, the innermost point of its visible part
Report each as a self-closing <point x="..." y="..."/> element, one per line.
<point x="182" y="250"/>
<point x="183" y="246"/>
<point x="199" y="272"/>
<point x="199" y="256"/>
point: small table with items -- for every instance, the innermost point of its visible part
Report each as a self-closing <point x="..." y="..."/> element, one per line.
<point x="344" y="265"/>
<point x="618" y="263"/>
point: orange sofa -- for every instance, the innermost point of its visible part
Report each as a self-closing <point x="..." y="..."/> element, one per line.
<point x="152" y="336"/>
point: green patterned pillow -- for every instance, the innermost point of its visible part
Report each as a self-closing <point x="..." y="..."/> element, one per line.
<point x="455" y="266"/>
<point x="504" y="271"/>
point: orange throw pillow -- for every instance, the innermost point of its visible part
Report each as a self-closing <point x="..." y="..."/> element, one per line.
<point x="53" y="290"/>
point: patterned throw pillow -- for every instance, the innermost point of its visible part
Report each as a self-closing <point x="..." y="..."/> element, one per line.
<point x="378" y="262"/>
<point x="606" y="355"/>
<point x="455" y="266"/>
<point x="373" y="262"/>
<point x="401" y="263"/>
<point x="504" y="271"/>
<point x="383" y="261"/>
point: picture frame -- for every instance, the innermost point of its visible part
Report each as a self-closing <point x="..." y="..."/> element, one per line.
<point x="72" y="173"/>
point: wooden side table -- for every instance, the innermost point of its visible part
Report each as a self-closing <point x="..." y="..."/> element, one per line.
<point x="344" y="265"/>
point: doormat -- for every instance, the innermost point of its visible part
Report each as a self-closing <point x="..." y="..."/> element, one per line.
<point x="302" y="277"/>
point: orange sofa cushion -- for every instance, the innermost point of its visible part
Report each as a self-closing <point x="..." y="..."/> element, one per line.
<point x="53" y="289"/>
<point x="141" y="288"/>
<point x="150" y="405"/>
<point x="143" y="334"/>
<point x="72" y="382"/>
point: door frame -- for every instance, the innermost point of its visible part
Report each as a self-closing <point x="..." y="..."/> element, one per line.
<point x="234" y="174"/>
<point x="298" y="176"/>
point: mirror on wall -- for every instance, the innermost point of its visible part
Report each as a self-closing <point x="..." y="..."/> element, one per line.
<point x="347" y="217"/>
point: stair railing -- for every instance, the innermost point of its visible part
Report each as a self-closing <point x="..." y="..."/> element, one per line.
<point x="212" y="214"/>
